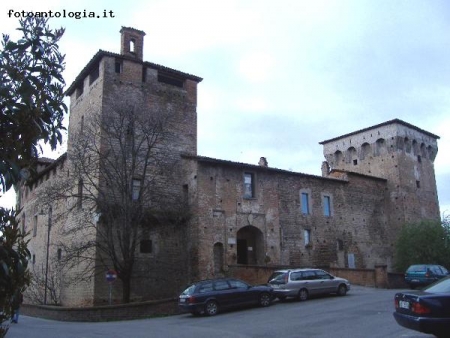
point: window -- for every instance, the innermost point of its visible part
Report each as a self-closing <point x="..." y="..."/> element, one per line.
<point x="238" y="284"/>
<point x="24" y="227"/>
<point x="59" y="254"/>
<point x="132" y="46"/>
<point x="249" y="185"/>
<point x="118" y="66"/>
<point x="79" y="90"/>
<point x="82" y="125"/>
<point x="327" y="206"/>
<point x="35" y="222"/>
<point x="170" y="80"/>
<point x="94" y="74"/>
<point x="144" y="74"/>
<point x="146" y="246"/>
<point x="418" y="184"/>
<point x="322" y="275"/>
<point x="207" y="287"/>
<point x="136" y="189"/>
<point x="221" y="285"/>
<point x="33" y="259"/>
<point x="80" y="194"/>
<point x="307" y="234"/>
<point x="305" y="203"/>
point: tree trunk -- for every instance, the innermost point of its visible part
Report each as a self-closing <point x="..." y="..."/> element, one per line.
<point x="126" y="289"/>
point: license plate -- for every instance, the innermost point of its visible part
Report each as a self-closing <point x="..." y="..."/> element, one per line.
<point x="403" y="304"/>
<point x="182" y="300"/>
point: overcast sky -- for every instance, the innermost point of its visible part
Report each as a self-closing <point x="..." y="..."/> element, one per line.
<point x="279" y="77"/>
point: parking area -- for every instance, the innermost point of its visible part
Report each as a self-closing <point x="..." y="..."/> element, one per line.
<point x="363" y="312"/>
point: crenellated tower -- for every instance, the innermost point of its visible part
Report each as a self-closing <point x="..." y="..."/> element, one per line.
<point x="399" y="152"/>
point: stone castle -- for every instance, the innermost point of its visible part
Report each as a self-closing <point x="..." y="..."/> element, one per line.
<point x="373" y="181"/>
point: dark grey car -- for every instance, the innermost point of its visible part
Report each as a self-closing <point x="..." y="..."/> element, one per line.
<point x="302" y="283"/>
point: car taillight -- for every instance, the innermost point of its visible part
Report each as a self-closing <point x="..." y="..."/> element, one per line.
<point x="396" y="303"/>
<point x="420" y="309"/>
<point x="191" y="299"/>
<point x="286" y="278"/>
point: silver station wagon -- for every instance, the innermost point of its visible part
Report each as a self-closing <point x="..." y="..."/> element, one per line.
<point x="303" y="283"/>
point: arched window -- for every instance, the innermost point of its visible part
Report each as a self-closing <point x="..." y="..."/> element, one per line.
<point x="381" y="147"/>
<point x="365" y="150"/>
<point x="352" y="156"/>
<point x="132" y="46"/>
<point x="338" y="157"/>
<point x="423" y="150"/>
<point x="415" y="147"/>
<point x="407" y="145"/>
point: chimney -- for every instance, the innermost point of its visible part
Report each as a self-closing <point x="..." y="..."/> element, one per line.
<point x="325" y="169"/>
<point x="132" y="43"/>
<point x="263" y="162"/>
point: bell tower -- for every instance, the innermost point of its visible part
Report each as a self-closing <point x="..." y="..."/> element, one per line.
<point x="132" y="43"/>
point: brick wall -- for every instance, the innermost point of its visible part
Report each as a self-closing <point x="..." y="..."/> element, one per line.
<point x="103" y="313"/>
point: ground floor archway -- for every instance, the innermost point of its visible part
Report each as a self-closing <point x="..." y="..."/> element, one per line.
<point x="250" y="246"/>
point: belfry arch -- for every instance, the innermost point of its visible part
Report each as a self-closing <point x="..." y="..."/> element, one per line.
<point x="250" y="246"/>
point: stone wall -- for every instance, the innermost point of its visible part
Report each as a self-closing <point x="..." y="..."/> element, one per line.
<point x="357" y="224"/>
<point x="103" y="313"/>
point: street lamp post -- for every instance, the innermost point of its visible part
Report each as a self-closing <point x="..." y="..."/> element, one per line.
<point x="49" y="225"/>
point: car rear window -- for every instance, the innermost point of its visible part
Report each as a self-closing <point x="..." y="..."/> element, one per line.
<point x="189" y="291"/>
<point x="417" y="268"/>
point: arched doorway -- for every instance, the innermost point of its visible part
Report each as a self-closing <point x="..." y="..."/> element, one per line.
<point x="250" y="246"/>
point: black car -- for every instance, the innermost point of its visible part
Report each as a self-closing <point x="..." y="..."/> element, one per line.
<point x="427" y="310"/>
<point x="210" y="296"/>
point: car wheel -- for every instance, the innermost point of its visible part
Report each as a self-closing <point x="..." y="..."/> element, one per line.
<point x="342" y="290"/>
<point x="303" y="295"/>
<point x="264" y="299"/>
<point x="211" y="308"/>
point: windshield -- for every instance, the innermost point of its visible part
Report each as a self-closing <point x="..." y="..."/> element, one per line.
<point x="442" y="286"/>
<point x="277" y="276"/>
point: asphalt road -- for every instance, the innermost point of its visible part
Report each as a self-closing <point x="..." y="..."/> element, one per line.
<point x="363" y="313"/>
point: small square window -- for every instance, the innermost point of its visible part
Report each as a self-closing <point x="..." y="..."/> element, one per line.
<point x="355" y="162"/>
<point x="146" y="246"/>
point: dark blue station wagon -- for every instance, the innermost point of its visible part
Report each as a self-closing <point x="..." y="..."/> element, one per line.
<point x="210" y="296"/>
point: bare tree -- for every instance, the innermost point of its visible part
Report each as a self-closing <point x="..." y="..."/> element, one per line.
<point x="119" y="185"/>
<point x="36" y="289"/>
